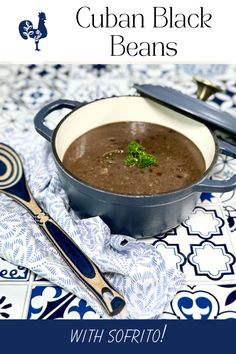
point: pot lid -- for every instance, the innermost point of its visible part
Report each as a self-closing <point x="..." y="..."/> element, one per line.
<point x="190" y="106"/>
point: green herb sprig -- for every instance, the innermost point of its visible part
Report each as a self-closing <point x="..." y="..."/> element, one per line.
<point x="137" y="156"/>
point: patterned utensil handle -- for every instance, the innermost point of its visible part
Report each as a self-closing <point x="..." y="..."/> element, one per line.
<point x="13" y="184"/>
<point x="82" y="265"/>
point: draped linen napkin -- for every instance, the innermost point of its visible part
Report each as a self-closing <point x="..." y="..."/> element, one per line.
<point x="135" y="268"/>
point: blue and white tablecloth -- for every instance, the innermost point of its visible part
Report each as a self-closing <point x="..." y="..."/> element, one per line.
<point x="203" y="247"/>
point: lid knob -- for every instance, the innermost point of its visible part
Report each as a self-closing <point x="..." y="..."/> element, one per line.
<point x="206" y="88"/>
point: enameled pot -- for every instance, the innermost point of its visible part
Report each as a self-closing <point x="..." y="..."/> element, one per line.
<point x="137" y="216"/>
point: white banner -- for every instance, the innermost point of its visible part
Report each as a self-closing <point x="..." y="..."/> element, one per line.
<point x="88" y="31"/>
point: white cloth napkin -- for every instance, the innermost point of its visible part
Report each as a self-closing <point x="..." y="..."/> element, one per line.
<point x="137" y="270"/>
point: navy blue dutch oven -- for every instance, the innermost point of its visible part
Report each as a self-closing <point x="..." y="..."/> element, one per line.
<point x="145" y="215"/>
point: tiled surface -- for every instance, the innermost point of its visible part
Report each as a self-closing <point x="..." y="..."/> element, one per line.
<point x="203" y="302"/>
<point x="203" y="247"/>
<point x="51" y="302"/>
<point x="13" y="300"/>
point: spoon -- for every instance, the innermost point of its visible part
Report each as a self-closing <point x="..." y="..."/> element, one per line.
<point x="13" y="183"/>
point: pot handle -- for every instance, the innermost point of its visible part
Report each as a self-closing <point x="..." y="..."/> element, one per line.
<point x="209" y="185"/>
<point x="49" y="108"/>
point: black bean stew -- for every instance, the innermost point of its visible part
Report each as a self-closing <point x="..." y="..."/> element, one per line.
<point x="98" y="158"/>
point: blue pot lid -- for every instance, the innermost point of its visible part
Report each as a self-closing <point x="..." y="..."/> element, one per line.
<point x="189" y="106"/>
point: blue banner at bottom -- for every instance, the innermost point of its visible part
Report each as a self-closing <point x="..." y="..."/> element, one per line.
<point x="109" y="336"/>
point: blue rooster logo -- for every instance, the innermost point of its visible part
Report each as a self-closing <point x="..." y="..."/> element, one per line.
<point x="27" y="31"/>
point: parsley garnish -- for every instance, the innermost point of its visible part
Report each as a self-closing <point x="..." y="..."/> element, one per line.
<point x="137" y="156"/>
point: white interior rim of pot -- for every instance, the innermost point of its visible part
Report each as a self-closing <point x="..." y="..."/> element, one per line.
<point x="132" y="108"/>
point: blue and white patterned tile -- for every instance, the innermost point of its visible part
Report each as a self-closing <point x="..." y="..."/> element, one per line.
<point x="230" y="214"/>
<point x="171" y="254"/>
<point x="196" y="223"/>
<point x="207" y="198"/>
<point x="200" y="302"/>
<point x="51" y="302"/>
<point x="211" y="260"/>
<point x="5" y="75"/>
<point x="87" y="91"/>
<point x="228" y="197"/>
<point x="56" y="75"/>
<point x="11" y="272"/>
<point x="21" y="121"/>
<point x="49" y="73"/>
<point x="203" y="247"/>
<point x="12" y="301"/>
<point x="209" y="71"/>
<point x="153" y="74"/>
<point x="224" y="168"/>
<point x="228" y="201"/>
<point x="104" y="71"/>
<point x="33" y="95"/>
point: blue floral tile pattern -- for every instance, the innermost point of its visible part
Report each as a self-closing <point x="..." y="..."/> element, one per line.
<point x="9" y="271"/>
<point x="4" y="306"/>
<point x="203" y="302"/>
<point x="203" y="241"/>
<point x="203" y="247"/>
<point x="211" y="260"/>
<point x="171" y="251"/>
<point x="51" y="302"/>
<point x="206" y="197"/>
<point x="230" y="213"/>
<point x="200" y="217"/>
<point x="35" y="96"/>
<point x="195" y="305"/>
<point x="13" y="300"/>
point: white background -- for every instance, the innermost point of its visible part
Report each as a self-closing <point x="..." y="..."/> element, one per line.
<point x="67" y="42"/>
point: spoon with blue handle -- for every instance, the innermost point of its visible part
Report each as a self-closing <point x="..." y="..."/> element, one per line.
<point x="13" y="183"/>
